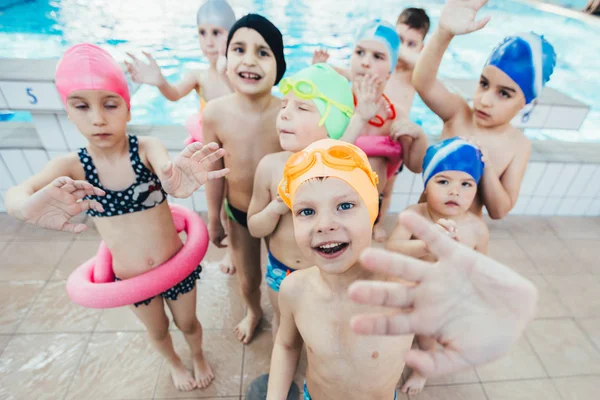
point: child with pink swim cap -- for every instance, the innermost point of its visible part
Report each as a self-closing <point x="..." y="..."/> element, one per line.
<point x="122" y="182"/>
<point x="214" y="19"/>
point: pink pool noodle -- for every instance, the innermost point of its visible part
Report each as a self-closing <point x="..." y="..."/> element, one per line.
<point x="194" y="128"/>
<point x="382" y="146"/>
<point x="92" y="284"/>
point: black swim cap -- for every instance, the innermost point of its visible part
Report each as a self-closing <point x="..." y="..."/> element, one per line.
<point x="269" y="32"/>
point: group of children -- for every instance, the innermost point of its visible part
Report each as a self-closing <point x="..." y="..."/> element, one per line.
<point x="286" y="170"/>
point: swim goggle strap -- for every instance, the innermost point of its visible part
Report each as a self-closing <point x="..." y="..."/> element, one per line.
<point x="342" y="158"/>
<point x="307" y="90"/>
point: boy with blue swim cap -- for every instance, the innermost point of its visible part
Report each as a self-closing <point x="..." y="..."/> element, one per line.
<point x="452" y="169"/>
<point x="512" y="78"/>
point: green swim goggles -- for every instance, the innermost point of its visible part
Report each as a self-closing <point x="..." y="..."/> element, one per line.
<point x="307" y="90"/>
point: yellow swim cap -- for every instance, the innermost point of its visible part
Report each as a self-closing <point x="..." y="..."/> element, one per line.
<point x="335" y="159"/>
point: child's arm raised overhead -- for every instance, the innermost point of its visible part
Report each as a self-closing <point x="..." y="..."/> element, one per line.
<point x="457" y="18"/>
<point x="215" y="189"/>
<point x="150" y="74"/>
<point x="264" y="213"/>
<point x="500" y="194"/>
<point x="369" y="100"/>
<point x="50" y="198"/>
<point x="400" y="241"/>
<point x="287" y="347"/>
<point x="191" y="169"/>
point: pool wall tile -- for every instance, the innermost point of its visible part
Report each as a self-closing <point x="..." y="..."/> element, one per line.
<point x="535" y="206"/>
<point x="565" y="180"/>
<point x="582" y="179"/>
<point x="37" y="159"/>
<point x="550" y="206"/>
<point x="533" y="175"/>
<point x="6" y="179"/>
<point x="548" y="181"/>
<point x="404" y="182"/>
<point x="17" y="164"/>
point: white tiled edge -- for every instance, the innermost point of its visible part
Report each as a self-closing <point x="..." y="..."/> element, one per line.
<point x="567" y="189"/>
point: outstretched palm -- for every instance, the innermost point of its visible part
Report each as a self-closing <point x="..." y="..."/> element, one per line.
<point x="473" y="306"/>
<point x="368" y="96"/>
<point x="192" y="169"/>
<point x="144" y="73"/>
<point x="54" y="205"/>
<point x="458" y="16"/>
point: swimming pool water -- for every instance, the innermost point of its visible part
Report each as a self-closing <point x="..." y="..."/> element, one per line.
<point x="166" y="28"/>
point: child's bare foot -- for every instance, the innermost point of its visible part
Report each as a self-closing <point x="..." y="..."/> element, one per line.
<point x="379" y="234"/>
<point x="245" y="329"/>
<point x="202" y="371"/>
<point x="182" y="379"/>
<point x="414" y="384"/>
<point x="226" y="264"/>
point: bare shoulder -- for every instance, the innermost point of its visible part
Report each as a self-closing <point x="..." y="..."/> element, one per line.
<point x="215" y="108"/>
<point x="420" y="208"/>
<point x="146" y="142"/>
<point x="478" y="224"/>
<point x="294" y="285"/>
<point x="518" y="141"/>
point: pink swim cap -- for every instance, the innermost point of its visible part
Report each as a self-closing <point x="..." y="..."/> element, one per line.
<point x="88" y="67"/>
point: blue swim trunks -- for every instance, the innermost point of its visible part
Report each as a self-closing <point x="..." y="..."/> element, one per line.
<point x="307" y="395"/>
<point x="276" y="272"/>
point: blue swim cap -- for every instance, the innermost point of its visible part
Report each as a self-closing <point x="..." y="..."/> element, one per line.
<point x="385" y="33"/>
<point x="528" y="59"/>
<point x="454" y="154"/>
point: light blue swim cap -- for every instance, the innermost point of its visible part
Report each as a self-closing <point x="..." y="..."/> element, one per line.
<point x="385" y="33"/>
<point x="454" y="154"/>
<point x="528" y="59"/>
<point x="216" y="12"/>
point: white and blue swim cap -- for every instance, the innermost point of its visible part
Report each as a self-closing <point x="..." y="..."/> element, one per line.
<point x="385" y="33"/>
<point x="454" y="154"/>
<point x="216" y="12"/>
<point x="528" y="59"/>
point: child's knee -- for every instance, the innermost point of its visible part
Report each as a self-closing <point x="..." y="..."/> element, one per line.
<point x="188" y="326"/>
<point x="159" y="332"/>
<point x="250" y="284"/>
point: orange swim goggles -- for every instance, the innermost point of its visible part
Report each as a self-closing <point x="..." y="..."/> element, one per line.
<point x="338" y="157"/>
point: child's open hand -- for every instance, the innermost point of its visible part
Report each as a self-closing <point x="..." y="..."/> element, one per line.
<point x="54" y="205"/>
<point x="320" y="56"/>
<point x="368" y="96"/>
<point x="145" y="73"/>
<point x="191" y="169"/>
<point x="458" y="16"/>
<point x="405" y="127"/>
<point x="474" y="307"/>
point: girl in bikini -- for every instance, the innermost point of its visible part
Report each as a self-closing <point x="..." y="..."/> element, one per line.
<point x="122" y="182"/>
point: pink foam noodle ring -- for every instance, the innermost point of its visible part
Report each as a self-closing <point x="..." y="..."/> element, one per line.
<point x="194" y="128"/>
<point x="382" y="146"/>
<point x="92" y="284"/>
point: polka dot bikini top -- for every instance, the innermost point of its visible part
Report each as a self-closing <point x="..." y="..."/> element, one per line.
<point x="145" y="193"/>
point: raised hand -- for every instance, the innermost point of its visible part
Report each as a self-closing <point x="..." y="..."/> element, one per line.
<point x="458" y="16"/>
<point x="145" y="73"/>
<point x="191" y="169"/>
<point x="320" y="56"/>
<point x="55" y="204"/>
<point x="368" y="96"/>
<point x="474" y="307"/>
